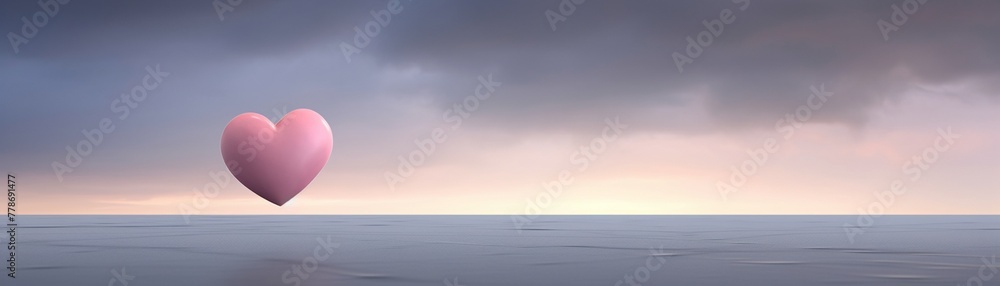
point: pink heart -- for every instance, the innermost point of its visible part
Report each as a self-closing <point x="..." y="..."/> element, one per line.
<point x="277" y="161"/>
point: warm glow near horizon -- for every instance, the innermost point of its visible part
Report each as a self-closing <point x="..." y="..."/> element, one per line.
<point x="822" y="169"/>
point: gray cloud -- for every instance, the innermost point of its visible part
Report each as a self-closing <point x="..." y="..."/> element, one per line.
<point x="609" y="58"/>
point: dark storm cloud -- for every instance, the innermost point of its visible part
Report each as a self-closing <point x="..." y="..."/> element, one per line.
<point x="609" y="58"/>
<point x="614" y="57"/>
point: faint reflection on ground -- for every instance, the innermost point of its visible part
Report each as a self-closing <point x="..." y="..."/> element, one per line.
<point x="487" y="250"/>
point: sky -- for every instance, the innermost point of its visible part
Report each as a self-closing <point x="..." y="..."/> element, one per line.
<point x="599" y="107"/>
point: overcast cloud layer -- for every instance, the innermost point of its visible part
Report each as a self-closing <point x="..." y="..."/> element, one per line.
<point x="607" y="59"/>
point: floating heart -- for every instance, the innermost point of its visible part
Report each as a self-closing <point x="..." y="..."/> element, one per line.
<point x="277" y="161"/>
